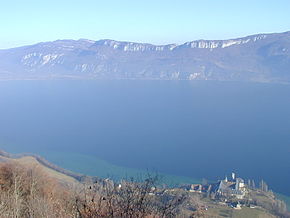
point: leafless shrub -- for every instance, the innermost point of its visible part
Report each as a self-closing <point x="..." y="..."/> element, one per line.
<point x="29" y="193"/>
<point x="127" y="199"/>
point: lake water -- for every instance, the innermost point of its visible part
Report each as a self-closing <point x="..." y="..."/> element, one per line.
<point x="199" y="129"/>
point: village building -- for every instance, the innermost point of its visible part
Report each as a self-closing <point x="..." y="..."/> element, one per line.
<point x="233" y="187"/>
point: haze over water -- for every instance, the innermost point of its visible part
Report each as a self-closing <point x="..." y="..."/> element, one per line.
<point x="198" y="129"/>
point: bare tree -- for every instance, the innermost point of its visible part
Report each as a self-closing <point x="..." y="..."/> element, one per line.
<point x="127" y="199"/>
<point x="29" y="193"/>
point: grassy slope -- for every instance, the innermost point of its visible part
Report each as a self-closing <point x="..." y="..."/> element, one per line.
<point x="244" y="212"/>
<point x="31" y="162"/>
<point x="284" y="198"/>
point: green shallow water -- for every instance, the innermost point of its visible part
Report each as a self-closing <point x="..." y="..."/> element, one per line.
<point x="94" y="166"/>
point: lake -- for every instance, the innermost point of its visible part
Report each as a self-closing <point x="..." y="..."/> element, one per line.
<point x="190" y="129"/>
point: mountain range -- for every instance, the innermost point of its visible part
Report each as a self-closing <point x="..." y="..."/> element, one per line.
<point x="258" y="58"/>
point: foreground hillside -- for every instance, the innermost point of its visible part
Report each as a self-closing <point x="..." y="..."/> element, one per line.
<point x="32" y="163"/>
<point x="30" y="188"/>
<point x="260" y="58"/>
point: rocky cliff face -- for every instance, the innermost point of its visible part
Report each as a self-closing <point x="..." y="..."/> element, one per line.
<point x="262" y="58"/>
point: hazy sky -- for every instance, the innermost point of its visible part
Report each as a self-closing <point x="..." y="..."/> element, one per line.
<point x="155" y="21"/>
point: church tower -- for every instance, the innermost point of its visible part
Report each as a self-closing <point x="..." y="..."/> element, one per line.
<point x="233" y="176"/>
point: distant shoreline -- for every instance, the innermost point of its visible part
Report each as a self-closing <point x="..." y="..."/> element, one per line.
<point x="79" y="78"/>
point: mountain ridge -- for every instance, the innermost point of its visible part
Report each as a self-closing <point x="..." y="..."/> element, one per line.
<point x="259" y="58"/>
<point x="152" y="44"/>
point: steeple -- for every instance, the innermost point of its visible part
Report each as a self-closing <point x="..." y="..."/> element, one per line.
<point x="233" y="176"/>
